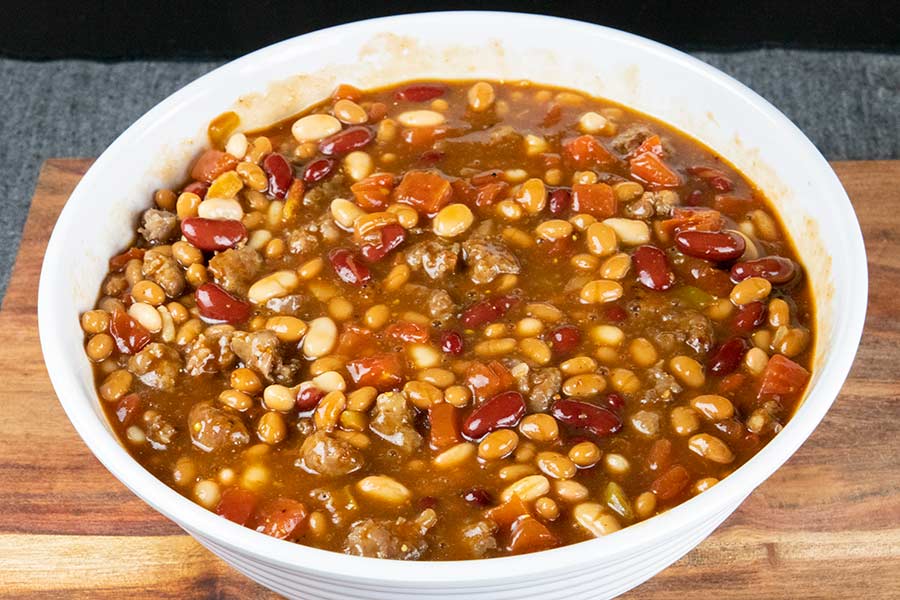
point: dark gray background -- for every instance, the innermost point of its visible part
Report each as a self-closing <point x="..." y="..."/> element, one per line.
<point x="847" y="102"/>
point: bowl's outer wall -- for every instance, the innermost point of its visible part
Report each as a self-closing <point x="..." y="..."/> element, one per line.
<point x="281" y="80"/>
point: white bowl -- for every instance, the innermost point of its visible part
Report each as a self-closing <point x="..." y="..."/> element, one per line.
<point x="282" y="79"/>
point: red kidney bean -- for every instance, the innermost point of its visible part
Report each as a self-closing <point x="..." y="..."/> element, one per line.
<point x="280" y="174"/>
<point x="727" y="357"/>
<point x="653" y="268"/>
<point x="487" y="310"/>
<point x="348" y="268"/>
<point x="392" y="235"/>
<point x="590" y="417"/>
<point x="671" y="483"/>
<point x="452" y="343"/>
<point x="198" y="187"/>
<point x="615" y="313"/>
<point x="559" y="201"/>
<point x="129" y="335"/>
<point x="478" y="496"/>
<point x="318" y="170"/>
<point x="127" y="408"/>
<point x="308" y="397"/>
<point x="420" y="93"/>
<point x="777" y="269"/>
<point x="215" y="304"/>
<point x="660" y="455"/>
<point x="615" y="401"/>
<point x="431" y="157"/>
<point x="213" y="234"/>
<point x="711" y="245"/>
<point x="714" y="178"/>
<point x="346" y="141"/>
<point x="564" y="339"/>
<point x="750" y="316"/>
<point x="505" y="409"/>
<point x="237" y="505"/>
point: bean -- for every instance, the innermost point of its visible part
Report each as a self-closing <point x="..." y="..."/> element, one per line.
<point x="212" y="234"/>
<point x="487" y="311"/>
<point x="711" y="448"/>
<point x="457" y="395"/>
<point x="349" y="112"/>
<point x="503" y="410"/>
<point x="581" y="415"/>
<point x="607" y="335"/>
<point x="630" y="232"/>
<point x="308" y="397"/>
<point x="348" y="268"/>
<point x="95" y="321"/>
<point x="358" y="165"/>
<point x="313" y="128"/>
<point x="245" y="380"/>
<point x="564" y="339"/>
<point x="452" y="220"/>
<point x="616" y="266"/>
<point x="779" y="313"/>
<point x="421" y="118"/>
<point x="318" y="170"/>
<point x="146" y="315"/>
<point x="271" y="428"/>
<point x="556" y="465"/>
<point x="276" y="285"/>
<point x="653" y="268"/>
<point x="584" y="385"/>
<point x="455" y="456"/>
<point x="727" y="357"/>
<point x="481" y="96"/>
<point x="352" y="138"/>
<point x="600" y="291"/>
<point x="591" y="122"/>
<point x="100" y="347"/>
<point x="684" y="420"/>
<point x="421" y="394"/>
<point x="688" y="371"/>
<point x="585" y="454"/>
<point x="532" y="196"/>
<point x="578" y="365"/>
<point x="775" y="269"/>
<point x="384" y="489"/>
<point x="187" y="204"/>
<point x="750" y="316"/>
<point x="528" y="489"/>
<point x="592" y="517"/>
<point x="601" y="239"/>
<point x="321" y="338"/>
<point x="616" y="464"/>
<point x="711" y="245"/>
<point x="498" y="444"/>
<point x="420" y="92"/>
<point x="559" y="201"/>
<point x="217" y="305"/>
<point x="713" y="406"/>
<point x="280" y="174"/>
<point x="116" y="385"/>
<point x="752" y="289"/>
<point x="539" y="427"/>
<point x="329" y="410"/>
<point x="671" y="483"/>
<point x="554" y="229"/>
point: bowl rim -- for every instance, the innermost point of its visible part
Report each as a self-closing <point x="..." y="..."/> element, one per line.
<point x="313" y="561"/>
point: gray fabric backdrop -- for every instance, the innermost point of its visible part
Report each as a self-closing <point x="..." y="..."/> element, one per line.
<point x="848" y="103"/>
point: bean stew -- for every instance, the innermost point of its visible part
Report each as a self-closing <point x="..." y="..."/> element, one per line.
<point x="451" y="320"/>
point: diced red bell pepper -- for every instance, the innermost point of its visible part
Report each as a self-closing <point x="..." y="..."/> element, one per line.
<point x="381" y="371"/>
<point x="444" y="420"/>
<point x="505" y="514"/>
<point x="281" y="518"/>
<point x="237" y="505"/>
<point x="527" y="534"/>
<point x="211" y="164"/>
<point x="488" y="379"/>
<point x="651" y="168"/>
<point x="425" y="191"/>
<point x="374" y="192"/>
<point x="782" y="377"/>
<point x="595" y="199"/>
<point x="406" y="331"/>
<point x="586" y="151"/>
<point x="118" y="262"/>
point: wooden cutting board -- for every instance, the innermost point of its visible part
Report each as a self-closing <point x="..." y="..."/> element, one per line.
<point x="826" y="525"/>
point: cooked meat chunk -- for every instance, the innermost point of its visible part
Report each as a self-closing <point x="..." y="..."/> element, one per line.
<point x="630" y="138"/>
<point x="211" y="351"/>
<point x="545" y="384"/>
<point x="325" y="455"/>
<point x="157" y="366"/>
<point x="260" y="351"/>
<point x="158" y="226"/>
<point x="325" y="191"/>
<point x="381" y="538"/>
<point x="440" y="304"/>
<point x="158" y="430"/>
<point x="236" y="269"/>
<point x="115" y="284"/>
<point x="663" y="201"/>
<point x="487" y="259"/>
<point x="479" y="538"/>
<point x="301" y="242"/>
<point x="664" y="387"/>
<point x="435" y="258"/>
<point x="392" y="420"/>
<point x="213" y="428"/>
<point x="160" y="266"/>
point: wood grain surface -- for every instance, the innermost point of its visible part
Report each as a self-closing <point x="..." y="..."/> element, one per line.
<point x="826" y="525"/>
